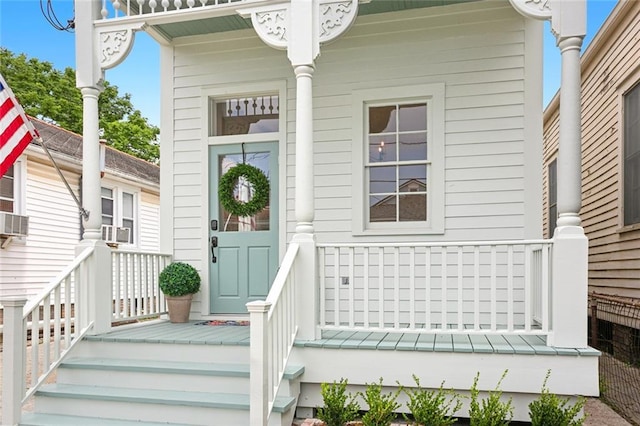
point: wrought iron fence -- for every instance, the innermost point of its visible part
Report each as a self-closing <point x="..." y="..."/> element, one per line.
<point x="615" y="331"/>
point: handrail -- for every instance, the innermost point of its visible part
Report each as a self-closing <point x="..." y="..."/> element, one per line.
<point x="273" y="332"/>
<point x="30" y="306"/>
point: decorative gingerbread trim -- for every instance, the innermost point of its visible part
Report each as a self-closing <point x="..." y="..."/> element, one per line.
<point x="536" y="9"/>
<point x="271" y="26"/>
<point x="335" y="18"/>
<point x="114" y="47"/>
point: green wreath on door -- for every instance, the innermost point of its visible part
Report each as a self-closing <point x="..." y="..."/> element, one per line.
<point x="259" y="182"/>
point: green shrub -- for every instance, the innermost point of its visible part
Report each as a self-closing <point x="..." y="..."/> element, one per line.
<point x="432" y="408"/>
<point x="179" y="279"/>
<point x="489" y="411"/>
<point x="551" y="410"/>
<point x="381" y="406"/>
<point x="339" y="406"/>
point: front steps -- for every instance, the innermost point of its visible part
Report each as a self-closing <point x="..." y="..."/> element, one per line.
<point x="111" y="382"/>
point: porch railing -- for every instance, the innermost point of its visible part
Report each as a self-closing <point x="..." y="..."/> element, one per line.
<point x="121" y="8"/>
<point x="54" y="319"/>
<point x="136" y="291"/>
<point x="459" y="287"/>
<point x="273" y="331"/>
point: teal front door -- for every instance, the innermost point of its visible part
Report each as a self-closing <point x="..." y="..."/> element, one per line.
<point x="243" y="255"/>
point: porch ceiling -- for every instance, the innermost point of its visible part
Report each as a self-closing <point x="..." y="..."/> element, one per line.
<point x="235" y="22"/>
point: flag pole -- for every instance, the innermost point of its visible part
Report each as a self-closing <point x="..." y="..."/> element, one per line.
<point x="83" y="212"/>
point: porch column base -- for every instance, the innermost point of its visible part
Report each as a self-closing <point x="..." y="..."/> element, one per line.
<point x="569" y="288"/>
<point x="96" y="293"/>
<point x="307" y="287"/>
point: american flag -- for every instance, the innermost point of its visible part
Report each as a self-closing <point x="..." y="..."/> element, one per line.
<point x="16" y="131"/>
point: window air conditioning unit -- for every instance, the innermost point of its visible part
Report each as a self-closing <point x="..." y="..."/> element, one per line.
<point x="113" y="234"/>
<point x="13" y="225"/>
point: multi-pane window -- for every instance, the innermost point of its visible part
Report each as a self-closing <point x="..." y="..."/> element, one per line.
<point x="243" y="116"/>
<point x="553" y="196"/>
<point x="631" y="156"/>
<point x="119" y="209"/>
<point x="128" y="220"/>
<point x="107" y="206"/>
<point x="7" y="191"/>
<point x="398" y="164"/>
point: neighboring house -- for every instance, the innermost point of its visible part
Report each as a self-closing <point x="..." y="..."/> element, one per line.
<point x="402" y="142"/>
<point x="33" y="189"/>
<point x="610" y="125"/>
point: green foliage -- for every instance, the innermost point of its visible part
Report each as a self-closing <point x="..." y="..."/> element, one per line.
<point x="258" y="181"/>
<point x="179" y="279"/>
<point x="551" y="410"/>
<point x="432" y="408"/>
<point x="51" y="95"/>
<point x="339" y="406"/>
<point x="381" y="406"/>
<point x="490" y="411"/>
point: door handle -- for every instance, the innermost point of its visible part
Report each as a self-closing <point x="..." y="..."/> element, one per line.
<point x="214" y="244"/>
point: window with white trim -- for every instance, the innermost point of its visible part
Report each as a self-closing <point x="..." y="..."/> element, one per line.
<point x="631" y="156"/>
<point x="12" y="187"/>
<point x="119" y="208"/>
<point x="401" y="152"/>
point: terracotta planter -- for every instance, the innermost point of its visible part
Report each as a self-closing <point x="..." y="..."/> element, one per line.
<point x="179" y="307"/>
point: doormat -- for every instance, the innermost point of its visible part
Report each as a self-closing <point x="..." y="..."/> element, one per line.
<point x="224" y="322"/>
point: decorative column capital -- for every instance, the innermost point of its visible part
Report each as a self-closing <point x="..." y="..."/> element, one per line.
<point x="302" y="27"/>
<point x="115" y="44"/>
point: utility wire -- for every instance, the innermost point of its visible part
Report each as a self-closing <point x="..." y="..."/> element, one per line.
<point x="50" y="15"/>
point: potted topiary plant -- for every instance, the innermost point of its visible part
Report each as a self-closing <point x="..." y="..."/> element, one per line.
<point x="179" y="281"/>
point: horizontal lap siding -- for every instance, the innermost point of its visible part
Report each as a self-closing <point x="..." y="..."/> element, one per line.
<point x="479" y="57"/>
<point x="476" y="50"/>
<point x="149" y="222"/>
<point x="54" y="231"/>
<point x="614" y="257"/>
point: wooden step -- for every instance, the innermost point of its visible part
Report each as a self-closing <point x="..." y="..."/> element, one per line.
<point x="153" y="405"/>
<point x="38" y="419"/>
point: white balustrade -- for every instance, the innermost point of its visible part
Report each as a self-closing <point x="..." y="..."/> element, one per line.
<point x="136" y="291"/>
<point x="273" y="331"/>
<point x="112" y="9"/>
<point x="460" y="287"/>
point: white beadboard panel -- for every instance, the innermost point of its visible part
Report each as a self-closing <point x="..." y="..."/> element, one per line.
<point x="477" y="55"/>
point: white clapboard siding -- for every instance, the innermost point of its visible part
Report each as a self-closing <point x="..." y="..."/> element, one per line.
<point x="54" y="230"/>
<point x="476" y="50"/>
<point x="149" y="222"/>
<point x="610" y="61"/>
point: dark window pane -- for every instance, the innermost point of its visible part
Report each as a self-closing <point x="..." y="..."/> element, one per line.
<point x="413" y="178"/>
<point x="6" y="206"/>
<point x="243" y="116"/>
<point x="382" y="209"/>
<point x="382" y="179"/>
<point x="413" y="146"/>
<point x="107" y="207"/>
<point x="632" y="156"/>
<point x="382" y="119"/>
<point x="412" y="117"/>
<point x="6" y="187"/>
<point x="413" y="208"/>
<point x="382" y="148"/>
<point x="107" y="220"/>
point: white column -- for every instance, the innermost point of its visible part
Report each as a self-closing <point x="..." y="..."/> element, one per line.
<point x="304" y="191"/>
<point x="569" y="151"/>
<point x="570" y="246"/>
<point x="13" y="360"/>
<point x="91" y="198"/>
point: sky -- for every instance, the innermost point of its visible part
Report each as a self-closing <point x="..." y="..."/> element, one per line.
<point x="139" y="73"/>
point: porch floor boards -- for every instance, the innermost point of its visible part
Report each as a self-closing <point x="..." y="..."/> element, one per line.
<point x="163" y="331"/>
